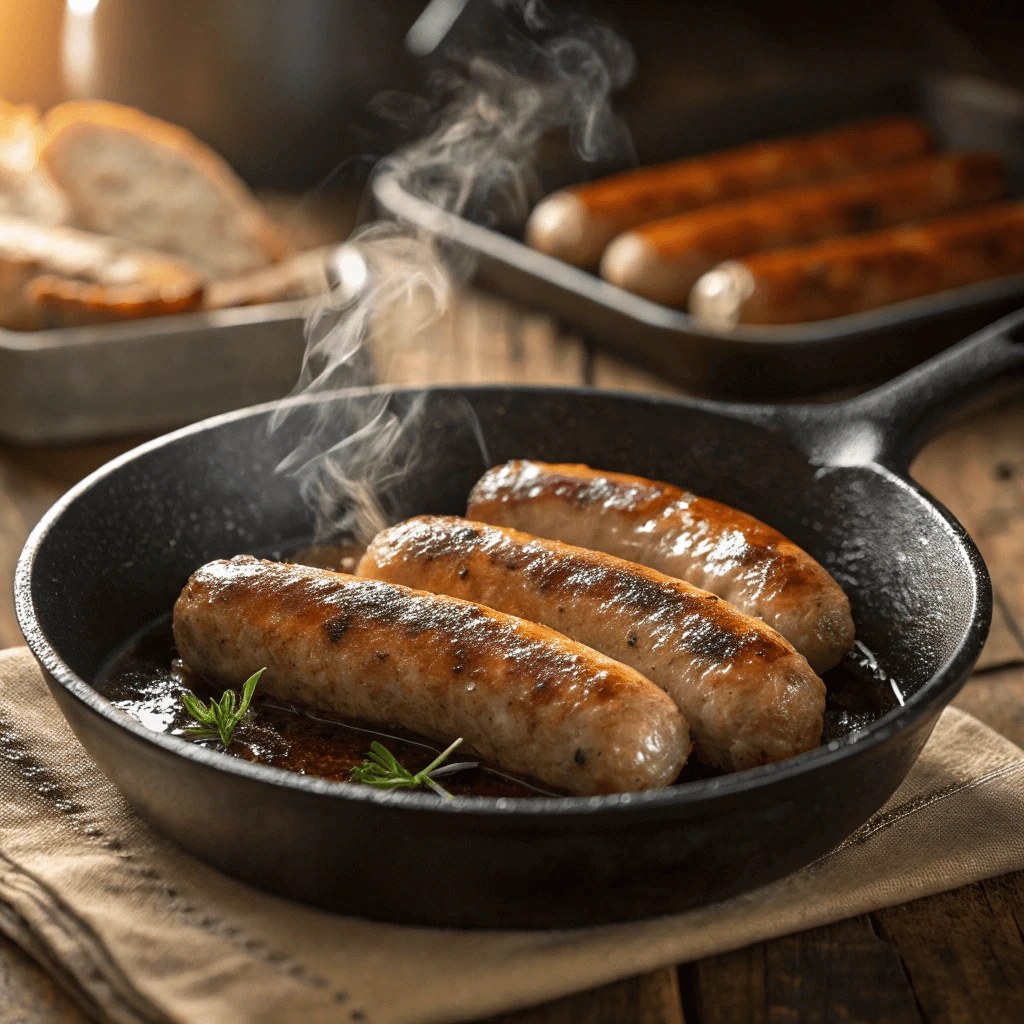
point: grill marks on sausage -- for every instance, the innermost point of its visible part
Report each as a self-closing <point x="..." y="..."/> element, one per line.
<point x="748" y="543"/>
<point x="346" y="610"/>
<point x="522" y="695"/>
<point x="705" y="626"/>
<point x="710" y="545"/>
<point x="748" y="696"/>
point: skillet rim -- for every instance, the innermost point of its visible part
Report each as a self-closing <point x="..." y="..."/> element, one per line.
<point x="938" y="689"/>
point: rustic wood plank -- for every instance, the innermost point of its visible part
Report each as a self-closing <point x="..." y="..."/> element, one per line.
<point x="27" y="993"/>
<point x="616" y="374"/>
<point x="477" y="340"/>
<point x="842" y="972"/>
<point x="647" y="999"/>
<point x="964" y="951"/>
<point x="31" y="480"/>
<point x="997" y="698"/>
<point x="976" y="468"/>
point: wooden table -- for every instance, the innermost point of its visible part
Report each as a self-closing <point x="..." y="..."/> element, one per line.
<point x="958" y="956"/>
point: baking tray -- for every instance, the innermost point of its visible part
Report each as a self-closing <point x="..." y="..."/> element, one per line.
<point x="145" y="376"/>
<point x="759" y="363"/>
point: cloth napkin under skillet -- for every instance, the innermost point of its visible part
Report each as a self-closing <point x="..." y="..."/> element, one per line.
<point x="140" y="932"/>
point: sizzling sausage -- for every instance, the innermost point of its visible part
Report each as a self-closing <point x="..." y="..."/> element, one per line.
<point x="748" y="696"/>
<point x="710" y="545"/>
<point x="522" y="695"/>
<point x="575" y="224"/>
<point x="662" y="260"/>
<point x="850" y="275"/>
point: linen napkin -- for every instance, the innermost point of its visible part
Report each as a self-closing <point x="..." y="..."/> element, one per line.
<point x="141" y="932"/>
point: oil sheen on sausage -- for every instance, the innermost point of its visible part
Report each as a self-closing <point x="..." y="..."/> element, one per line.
<point x="748" y="696"/>
<point x="522" y="696"/>
<point x="576" y="223"/>
<point x="850" y="275"/>
<point x="706" y="543"/>
<point x="663" y="260"/>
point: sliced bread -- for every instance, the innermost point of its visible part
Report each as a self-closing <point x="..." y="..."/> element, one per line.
<point x="57" y="277"/>
<point x="156" y="185"/>
<point x="26" y="189"/>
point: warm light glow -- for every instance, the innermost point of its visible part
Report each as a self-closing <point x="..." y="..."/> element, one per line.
<point x="78" y="56"/>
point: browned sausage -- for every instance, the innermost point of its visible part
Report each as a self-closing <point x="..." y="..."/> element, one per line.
<point x="710" y="545"/>
<point x="849" y="275"/>
<point x="576" y="223"/>
<point x="662" y="260"/>
<point x="522" y="695"/>
<point x="748" y="696"/>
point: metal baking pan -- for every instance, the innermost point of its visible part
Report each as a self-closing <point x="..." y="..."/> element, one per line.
<point x="759" y="363"/>
<point x="146" y="376"/>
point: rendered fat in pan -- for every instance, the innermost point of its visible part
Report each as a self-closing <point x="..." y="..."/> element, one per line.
<point x="850" y="275"/>
<point x="748" y="696"/>
<point x="710" y="545"/>
<point x="576" y="223"/>
<point x="522" y="696"/>
<point x="663" y="260"/>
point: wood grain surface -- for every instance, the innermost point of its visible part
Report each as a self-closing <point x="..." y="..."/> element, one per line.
<point x="955" y="957"/>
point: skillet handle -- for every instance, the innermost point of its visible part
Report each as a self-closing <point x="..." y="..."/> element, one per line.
<point x="890" y="424"/>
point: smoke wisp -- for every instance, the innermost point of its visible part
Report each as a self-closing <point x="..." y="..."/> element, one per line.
<point x="549" y="77"/>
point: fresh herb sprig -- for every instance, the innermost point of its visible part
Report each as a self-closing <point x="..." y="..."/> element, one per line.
<point x="382" y="769"/>
<point x="221" y="717"/>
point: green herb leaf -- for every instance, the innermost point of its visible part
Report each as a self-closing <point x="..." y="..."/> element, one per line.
<point x="218" y="721"/>
<point x="381" y="769"/>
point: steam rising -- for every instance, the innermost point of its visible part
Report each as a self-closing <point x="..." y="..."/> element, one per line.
<point x="548" y="79"/>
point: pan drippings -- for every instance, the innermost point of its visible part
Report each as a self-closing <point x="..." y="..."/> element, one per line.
<point x="145" y="680"/>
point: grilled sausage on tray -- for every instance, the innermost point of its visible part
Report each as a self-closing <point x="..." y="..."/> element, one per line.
<point x="662" y="260"/>
<point x="523" y="696"/>
<point x="710" y="545"/>
<point x="576" y="223"/>
<point x="851" y="275"/>
<point x="748" y="696"/>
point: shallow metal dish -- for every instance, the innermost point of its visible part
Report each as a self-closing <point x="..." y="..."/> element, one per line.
<point x="760" y="363"/>
<point x="82" y="383"/>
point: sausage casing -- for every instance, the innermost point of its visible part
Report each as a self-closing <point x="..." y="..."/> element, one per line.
<point x="522" y="696"/>
<point x="662" y="260"/>
<point x="748" y="696"/>
<point x="850" y="275"/>
<point x="706" y="543"/>
<point x="576" y="223"/>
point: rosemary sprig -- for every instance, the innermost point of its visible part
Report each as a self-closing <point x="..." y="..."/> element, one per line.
<point x="382" y="769"/>
<point x="221" y="717"/>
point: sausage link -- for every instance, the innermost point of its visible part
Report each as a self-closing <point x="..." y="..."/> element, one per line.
<point x="576" y="223"/>
<point x="850" y="275"/>
<point x="710" y="545"/>
<point x="663" y="260"/>
<point x="523" y="696"/>
<point x="748" y="696"/>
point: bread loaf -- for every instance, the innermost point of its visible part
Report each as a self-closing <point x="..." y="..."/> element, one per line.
<point x="154" y="184"/>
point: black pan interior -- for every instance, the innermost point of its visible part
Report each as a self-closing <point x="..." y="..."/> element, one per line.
<point x="119" y="555"/>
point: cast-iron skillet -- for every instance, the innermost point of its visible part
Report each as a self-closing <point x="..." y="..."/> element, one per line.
<point x="114" y="552"/>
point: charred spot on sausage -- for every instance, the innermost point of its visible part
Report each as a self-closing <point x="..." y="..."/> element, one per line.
<point x="580" y="757"/>
<point x="336" y="628"/>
